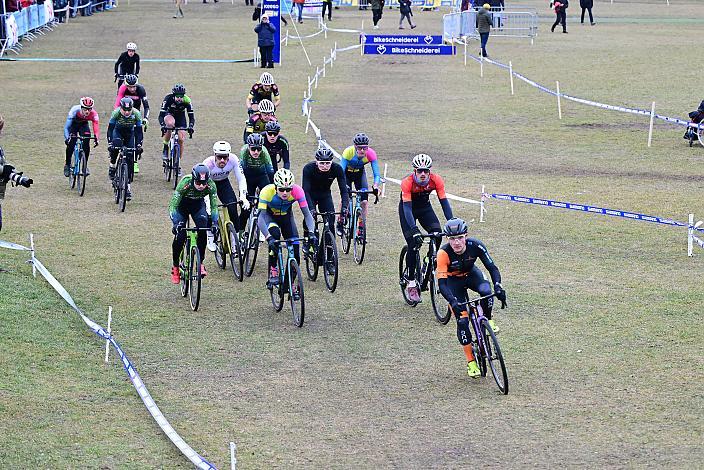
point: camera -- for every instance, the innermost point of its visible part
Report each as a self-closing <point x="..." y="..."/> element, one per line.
<point x="20" y="180"/>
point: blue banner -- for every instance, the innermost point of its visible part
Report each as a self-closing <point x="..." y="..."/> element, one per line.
<point x="273" y="9"/>
<point x="391" y="49"/>
<point x="400" y="39"/>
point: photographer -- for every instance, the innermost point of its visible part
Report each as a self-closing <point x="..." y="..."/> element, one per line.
<point x="7" y="173"/>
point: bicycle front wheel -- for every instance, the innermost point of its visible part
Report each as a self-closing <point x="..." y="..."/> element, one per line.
<point x="330" y="258"/>
<point x="277" y="295"/>
<point x="175" y="162"/>
<point x="82" y="177"/>
<point x="347" y="233"/>
<point x="440" y="306"/>
<point x="251" y="247"/>
<point x="295" y="293"/>
<point x="403" y="276"/>
<point x="311" y="253"/>
<point x="235" y="251"/>
<point x="494" y="357"/>
<point x="360" y="239"/>
<point x="123" y="181"/>
<point x="194" y="277"/>
<point x="183" y="272"/>
<point x="220" y="250"/>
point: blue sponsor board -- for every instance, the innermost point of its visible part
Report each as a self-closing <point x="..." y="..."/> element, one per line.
<point x="273" y="9"/>
<point x="391" y="49"/>
<point x="400" y="39"/>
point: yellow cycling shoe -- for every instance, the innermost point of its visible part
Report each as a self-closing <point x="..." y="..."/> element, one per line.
<point x="494" y="326"/>
<point x="473" y="369"/>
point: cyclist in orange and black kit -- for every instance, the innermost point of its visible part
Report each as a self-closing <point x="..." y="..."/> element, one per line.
<point x="415" y="205"/>
<point x="457" y="272"/>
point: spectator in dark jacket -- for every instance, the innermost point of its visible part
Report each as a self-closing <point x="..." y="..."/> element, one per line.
<point x="12" y="5"/>
<point x="404" y="6"/>
<point x="377" y="11"/>
<point x="265" y="40"/>
<point x="484" y="22"/>
<point x="60" y="5"/>
<point x="587" y="6"/>
<point x="560" y="7"/>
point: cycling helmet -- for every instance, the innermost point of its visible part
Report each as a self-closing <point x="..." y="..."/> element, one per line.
<point x="283" y="178"/>
<point x="422" y="161"/>
<point x="323" y="154"/>
<point x="255" y="140"/>
<point x="266" y="79"/>
<point x="266" y="106"/>
<point x="126" y="104"/>
<point x="221" y="148"/>
<point x="455" y="227"/>
<point x="131" y="80"/>
<point x="361" y="139"/>
<point x="200" y="173"/>
<point x="131" y="46"/>
<point x="179" y="89"/>
<point x="87" y="102"/>
<point x="272" y="126"/>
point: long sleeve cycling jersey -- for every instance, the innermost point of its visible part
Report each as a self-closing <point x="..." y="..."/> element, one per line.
<point x="187" y="190"/>
<point x="174" y="108"/>
<point x="316" y="182"/>
<point x="255" y="123"/>
<point x="126" y="64"/>
<point x="278" y="151"/>
<point x="233" y="166"/>
<point x="271" y="204"/>
<point x="257" y="166"/>
<point x="138" y="97"/>
<point x="118" y="120"/>
<point x="75" y="114"/>
<point x="416" y="196"/>
<point x="352" y="162"/>
<point x="451" y="264"/>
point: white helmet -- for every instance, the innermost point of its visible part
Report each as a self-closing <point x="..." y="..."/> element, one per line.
<point x="266" y="79"/>
<point x="131" y="46"/>
<point x="283" y="178"/>
<point x="266" y="106"/>
<point x="221" y="148"/>
<point x="422" y="161"/>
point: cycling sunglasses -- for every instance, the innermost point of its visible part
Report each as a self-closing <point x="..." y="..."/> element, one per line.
<point x="222" y="157"/>
<point x="284" y="190"/>
<point x="272" y="133"/>
<point x="255" y="149"/>
<point x="422" y="170"/>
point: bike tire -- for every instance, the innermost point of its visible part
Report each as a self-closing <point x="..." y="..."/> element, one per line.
<point x="235" y="251"/>
<point x="440" y="307"/>
<point x="298" y="306"/>
<point x="479" y="357"/>
<point x="347" y="234"/>
<point x="495" y="357"/>
<point x="277" y="295"/>
<point x="167" y="168"/>
<point x="330" y="258"/>
<point x="183" y="271"/>
<point x="403" y="276"/>
<point x="311" y="261"/>
<point x="123" y="181"/>
<point x="360" y="243"/>
<point x="194" y="277"/>
<point x="176" y="162"/>
<point x="220" y="250"/>
<point x="83" y="177"/>
<point x="252" y="246"/>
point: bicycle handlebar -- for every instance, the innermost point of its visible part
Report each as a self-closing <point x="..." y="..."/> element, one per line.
<point x="291" y="240"/>
<point x="375" y="192"/>
<point x="478" y="299"/>
<point x="323" y="214"/>
<point x="82" y="137"/>
<point x="233" y="203"/>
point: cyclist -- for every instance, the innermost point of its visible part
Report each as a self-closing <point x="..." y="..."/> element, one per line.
<point x="276" y="145"/>
<point x="276" y="217"/>
<point x="257" y="121"/>
<point x="127" y="63"/>
<point x="256" y="166"/>
<point x="77" y="124"/>
<point x="353" y="160"/>
<point x="124" y="129"/>
<point x="173" y="114"/>
<point x="457" y="272"/>
<point x="317" y="179"/>
<point x="264" y="89"/>
<point x="188" y="199"/>
<point x="415" y="205"/>
<point x="220" y="165"/>
<point x="132" y="89"/>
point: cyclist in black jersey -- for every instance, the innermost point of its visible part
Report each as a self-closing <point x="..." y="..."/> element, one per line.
<point x="173" y="113"/>
<point x="317" y="179"/>
<point x="277" y="145"/>
<point x="264" y="89"/>
<point x="134" y="90"/>
<point x="127" y="63"/>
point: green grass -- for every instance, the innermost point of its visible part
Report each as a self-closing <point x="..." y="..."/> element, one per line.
<point x="604" y="331"/>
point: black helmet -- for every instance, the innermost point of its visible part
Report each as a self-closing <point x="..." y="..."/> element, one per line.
<point x="272" y="126"/>
<point x="126" y="104"/>
<point x="323" y="154"/>
<point x="131" y="80"/>
<point x="200" y="173"/>
<point x="255" y="140"/>
<point x="361" y="139"/>
<point x="455" y="227"/>
<point x="179" y="89"/>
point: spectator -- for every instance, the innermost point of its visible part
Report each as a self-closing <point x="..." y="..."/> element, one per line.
<point x="265" y="40"/>
<point x="404" y="6"/>
<point x="179" y="10"/>
<point x="484" y="21"/>
<point x="327" y="4"/>
<point x="60" y="5"/>
<point x="587" y="6"/>
<point x="377" y="11"/>
<point x="466" y="5"/>
<point x="560" y="7"/>
<point x="12" y="6"/>
<point x="299" y="5"/>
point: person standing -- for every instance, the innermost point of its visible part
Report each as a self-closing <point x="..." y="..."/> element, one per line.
<point x="587" y="5"/>
<point x="560" y="7"/>
<point x="179" y="11"/>
<point x="299" y="6"/>
<point x="377" y="11"/>
<point x="404" y="6"/>
<point x="484" y="21"/>
<point x="327" y="4"/>
<point x="265" y="40"/>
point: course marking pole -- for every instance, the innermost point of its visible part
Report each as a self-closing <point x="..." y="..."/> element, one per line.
<point x="690" y="233"/>
<point x="308" y="121"/>
<point x="559" y="104"/>
<point x="233" y="456"/>
<point x="481" y="66"/>
<point x="465" y="52"/>
<point x="107" y="341"/>
<point x="650" y="128"/>
<point x="383" y="185"/>
<point x="31" y="248"/>
<point x="317" y="72"/>
<point x="510" y="74"/>
<point x="481" y="206"/>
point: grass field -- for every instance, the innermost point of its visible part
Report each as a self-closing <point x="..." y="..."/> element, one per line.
<point x="603" y="337"/>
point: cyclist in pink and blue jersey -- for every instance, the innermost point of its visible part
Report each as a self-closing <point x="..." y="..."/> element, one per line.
<point x="354" y="158"/>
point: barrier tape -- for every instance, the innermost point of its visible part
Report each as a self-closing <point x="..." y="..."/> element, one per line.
<point x="698" y="240"/>
<point x="57" y="59"/>
<point x="136" y="380"/>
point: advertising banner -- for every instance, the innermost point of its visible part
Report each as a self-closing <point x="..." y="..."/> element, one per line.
<point x="392" y="49"/>
<point x="273" y="9"/>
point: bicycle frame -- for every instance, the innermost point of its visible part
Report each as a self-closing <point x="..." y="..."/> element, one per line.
<point x="289" y="244"/>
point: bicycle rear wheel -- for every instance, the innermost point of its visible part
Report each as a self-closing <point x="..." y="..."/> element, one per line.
<point x="440" y="306"/>
<point x="295" y="293"/>
<point x="251" y="247"/>
<point x="175" y="163"/>
<point x="194" y="277"/>
<point x="311" y="254"/>
<point x="330" y="260"/>
<point x="403" y="276"/>
<point x="277" y="294"/>
<point x="494" y="357"/>
<point x="183" y="271"/>
<point x="82" y="177"/>
<point x="235" y="251"/>
<point x="347" y="233"/>
<point x="360" y="241"/>
<point x="123" y="181"/>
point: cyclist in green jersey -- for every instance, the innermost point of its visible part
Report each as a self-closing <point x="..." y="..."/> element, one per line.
<point x="124" y="130"/>
<point x="256" y="166"/>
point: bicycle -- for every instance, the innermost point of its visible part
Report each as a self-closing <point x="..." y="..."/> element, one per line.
<point x="290" y="282"/>
<point x="79" y="169"/>
<point x="485" y="345"/>
<point x="696" y="134"/>
<point x="228" y="243"/>
<point x="121" y="179"/>
<point x="355" y="228"/>
<point x="324" y="253"/>
<point x="189" y="266"/>
<point x="172" y="166"/>
<point x="250" y="239"/>
<point x="426" y="278"/>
